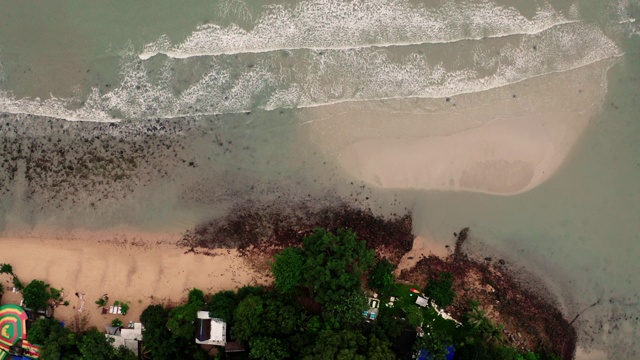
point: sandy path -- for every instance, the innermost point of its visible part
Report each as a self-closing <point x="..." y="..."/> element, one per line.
<point x="128" y="267"/>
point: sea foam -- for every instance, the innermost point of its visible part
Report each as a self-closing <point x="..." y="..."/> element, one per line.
<point x="308" y="78"/>
<point x="334" y="24"/>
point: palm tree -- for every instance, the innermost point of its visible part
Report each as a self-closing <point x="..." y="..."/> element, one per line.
<point x="493" y="334"/>
<point x="145" y="352"/>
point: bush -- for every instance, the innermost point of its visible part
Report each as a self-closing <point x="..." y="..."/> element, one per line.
<point x="382" y="277"/>
<point x="35" y="295"/>
<point x="441" y="291"/>
<point x="6" y="269"/>
<point x="125" y="308"/>
<point x="101" y="302"/>
<point x="116" y="322"/>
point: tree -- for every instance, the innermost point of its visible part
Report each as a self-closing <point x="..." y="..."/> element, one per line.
<point x="53" y="339"/>
<point x="195" y="296"/>
<point x="287" y="269"/>
<point x="154" y="318"/>
<point x="94" y="345"/>
<point x="247" y="317"/>
<point x="481" y="326"/>
<point x="344" y="344"/>
<point x="266" y="316"/>
<point x="181" y="318"/>
<point x="413" y="315"/>
<point x="267" y="348"/>
<point x="382" y="277"/>
<point x="347" y="312"/>
<point x="222" y="305"/>
<point x="245" y="291"/>
<point x="161" y="343"/>
<point x="35" y="295"/>
<point x="124" y="353"/>
<point x="6" y="269"/>
<point x="441" y="291"/>
<point x="42" y="329"/>
<point x="379" y="349"/>
<point x="334" y="264"/>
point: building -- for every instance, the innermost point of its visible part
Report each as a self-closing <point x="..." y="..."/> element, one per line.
<point x="374" y="307"/>
<point x="13" y="334"/>
<point x="422" y="301"/>
<point x="210" y="331"/>
<point x="128" y="337"/>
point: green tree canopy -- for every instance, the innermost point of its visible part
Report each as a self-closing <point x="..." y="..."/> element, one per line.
<point x="42" y="329"/>
<point x="222" y="305"/>
<point x="334" y="264"/>
<point x="94" y="345"/>
<point x="267" y="348"/>
<point x="54" y="339"/>
<point x="382" y="277"/>
<point x="265" y="316"/>
<point x="6" y="269"/>
<point x="379" y="349"/>
<point x="344" y="344"/>
<point x="287" y="269"/>
<point x="181" y="318"/>
<point x="247" y="317"/>
<point x="36" y="295"/>
<point x="441" y="291"/>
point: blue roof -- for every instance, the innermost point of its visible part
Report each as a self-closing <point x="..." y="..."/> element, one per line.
<point x="426" y="354"/>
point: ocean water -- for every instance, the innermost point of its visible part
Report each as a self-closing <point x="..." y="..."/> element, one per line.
<point x="233" y="79"/>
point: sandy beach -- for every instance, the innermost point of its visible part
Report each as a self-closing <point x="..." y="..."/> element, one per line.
<point x="137" y="268"/>
<point x="502" y="141"/>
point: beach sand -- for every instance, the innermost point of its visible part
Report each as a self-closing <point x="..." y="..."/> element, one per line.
<point x="502" y="141"/>
<point x="137" y="268"/>
<point x="422" y="247"/>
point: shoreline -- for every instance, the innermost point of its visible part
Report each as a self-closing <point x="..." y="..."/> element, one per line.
<point x="142" y="269"/>
<point x="128" y="268"/>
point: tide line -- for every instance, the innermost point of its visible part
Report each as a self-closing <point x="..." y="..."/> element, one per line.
<point x="176" y="52"/>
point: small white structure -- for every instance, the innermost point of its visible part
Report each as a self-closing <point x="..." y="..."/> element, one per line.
<point x="128" y="337"/>
<point x="424" y="302"/>
<point x="210" y="331"/>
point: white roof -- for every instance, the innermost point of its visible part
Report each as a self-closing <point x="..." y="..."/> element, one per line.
<point x="131" y="334"/>
<point x="203" y="315"/>
<point x="218" y="332"/>
<point x="128" y="337"/>
<point x="422" y="301"/>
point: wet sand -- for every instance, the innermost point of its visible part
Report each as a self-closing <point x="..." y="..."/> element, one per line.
<point x="502" y="141"/>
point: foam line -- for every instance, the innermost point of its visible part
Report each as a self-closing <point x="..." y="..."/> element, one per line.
<point x="333" y="24"/>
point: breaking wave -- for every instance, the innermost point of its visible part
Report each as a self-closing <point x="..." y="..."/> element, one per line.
<point x="334" y="24"/>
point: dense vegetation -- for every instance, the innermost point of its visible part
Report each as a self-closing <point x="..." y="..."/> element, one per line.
<point x="61" y="343"/>
<point x="314" y="311"/>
